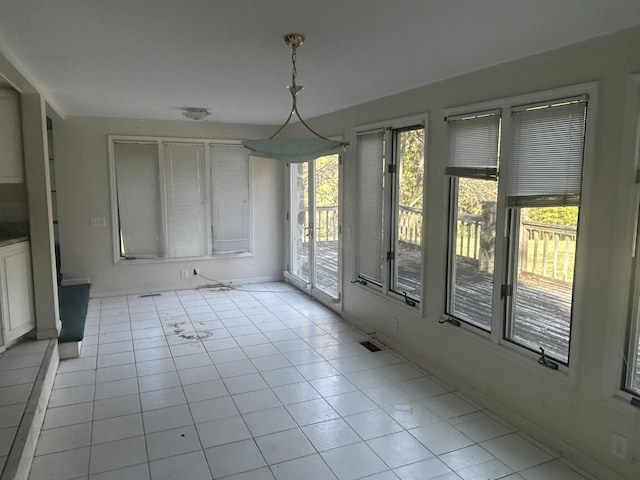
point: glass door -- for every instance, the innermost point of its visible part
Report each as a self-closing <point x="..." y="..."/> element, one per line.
<point x="315" y="226"/>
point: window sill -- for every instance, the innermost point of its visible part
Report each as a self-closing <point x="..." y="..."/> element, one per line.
<point x="144" y="261"/>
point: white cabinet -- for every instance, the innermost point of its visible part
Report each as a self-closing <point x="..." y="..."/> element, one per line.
<point x="11" y="160"/>
<point x="16" y="296"/>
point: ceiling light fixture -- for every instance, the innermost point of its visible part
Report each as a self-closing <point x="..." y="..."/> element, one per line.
<point x="196" y="113"/>
<point x="294" y="150"/>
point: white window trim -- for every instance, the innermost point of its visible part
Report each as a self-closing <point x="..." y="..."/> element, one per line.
<point x="384" y="290"/>
<point x="512" y="351"/>
<point x="614" y="390"/>
<point x="159" y="141"/>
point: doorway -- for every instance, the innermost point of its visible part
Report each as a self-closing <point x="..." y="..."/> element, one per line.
<point x="315" y="262"/>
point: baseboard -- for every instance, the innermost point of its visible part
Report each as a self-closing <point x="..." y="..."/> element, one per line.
<point x="22" y="452"/>
<point x="183" y="285"/>
<point x="591" y="467"/>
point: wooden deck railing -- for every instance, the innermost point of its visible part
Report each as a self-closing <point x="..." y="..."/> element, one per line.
<point x="410" y="225"/>
<point x="326" y="224"/>
<point x="546" y="251"/>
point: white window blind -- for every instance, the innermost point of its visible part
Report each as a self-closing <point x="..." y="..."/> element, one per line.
<point x="186" y="199"/>
<point x="230" y="212"/>
<point x="547" y="149"/>
<point x="370" y="205"/>
<point x="139" y="205"/>
<point x="473" y="145"/>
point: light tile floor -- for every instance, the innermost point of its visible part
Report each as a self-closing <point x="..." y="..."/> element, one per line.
<point x="262" y="384"/>
<point x="19" y="368"/>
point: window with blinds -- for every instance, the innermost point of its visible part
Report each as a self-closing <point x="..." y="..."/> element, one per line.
<point x="472" y="167"/>
<point x="391" y="172"/>
<point x="179" y="198"/>
<point x="139" y="212"/>
<point x="547" y="147"/>
<point x="230" y="202"/>
<point x="544" y="179"/>
<point x="515" y="176"/>
<point x="371" y="147"/>
<point x="185" y="186"/>
<point x="473" y="145"/>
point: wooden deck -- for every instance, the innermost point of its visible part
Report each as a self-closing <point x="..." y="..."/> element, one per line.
<point x="543" y="307"/>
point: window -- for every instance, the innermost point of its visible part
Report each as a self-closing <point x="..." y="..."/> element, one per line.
<point x="631" y="376"/>
<point x="230" y="215"/>
<point x="473" y="170"/>
<point x="390" y="209"/>
<point x="540" y="151"/>
<point x="179" y="199"/>
<point x="632" y="363"/>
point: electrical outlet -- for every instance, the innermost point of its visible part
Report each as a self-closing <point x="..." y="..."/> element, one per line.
<point x="97" y="222"/>
<point x="619" y="445"/>
<point x="184" y="274"/>
<point x="196" y="271"/>
<point x="394" y="325"/>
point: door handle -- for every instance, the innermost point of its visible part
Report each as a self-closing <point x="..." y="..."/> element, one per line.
<point x="309" y="230"/>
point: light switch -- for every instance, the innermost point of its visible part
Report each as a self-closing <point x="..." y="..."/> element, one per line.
<point x="98" y="222"/>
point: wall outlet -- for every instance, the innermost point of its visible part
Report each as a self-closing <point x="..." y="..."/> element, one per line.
<point x="196" y="271"/>
<point x="619" y="445"/>
<point x="394" y="325"/>
<point x="184" y="274"/>
<point x="98" y="222"/>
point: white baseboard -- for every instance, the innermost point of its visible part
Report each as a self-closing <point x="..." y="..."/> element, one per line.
<point x="183" y="285"/>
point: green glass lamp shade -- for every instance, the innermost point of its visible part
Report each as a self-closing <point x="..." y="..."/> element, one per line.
<point x="293" y="150"/>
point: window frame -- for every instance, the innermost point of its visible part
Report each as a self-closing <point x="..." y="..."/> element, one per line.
<point x="453" y="192"/>
<point x="389" y="221"/>
<point x="515" y="351"/>
<point x="207" y="144"/>
<point x="631" y="335"/>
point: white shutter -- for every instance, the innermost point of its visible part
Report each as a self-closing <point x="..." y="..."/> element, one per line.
<point x="473" y="145"/>
<point x="230" y="202"/>
<point x="185" y="182"/>
<point x="370" y="205"/>
<point x="547" y="149"/>
<point x="138" y="190"/>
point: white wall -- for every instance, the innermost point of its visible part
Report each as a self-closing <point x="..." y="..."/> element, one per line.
<point x="576" y="416"/>
<point x="82" y="176"/>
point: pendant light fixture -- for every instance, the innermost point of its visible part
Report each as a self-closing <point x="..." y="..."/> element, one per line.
<point x="294" y="150"/>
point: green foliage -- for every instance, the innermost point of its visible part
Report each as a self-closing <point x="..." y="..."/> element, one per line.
<point x="327" y="177"/>
<point x="472" y="192"/>
<point x="567" y="216"/>
<point x="411" y="153"/>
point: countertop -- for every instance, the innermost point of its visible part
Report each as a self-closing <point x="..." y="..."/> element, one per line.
<point x="10" y="241"/>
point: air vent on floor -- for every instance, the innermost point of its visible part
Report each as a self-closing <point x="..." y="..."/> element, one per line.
<point x="370" y="346"/>
<point x="150" y="295"/>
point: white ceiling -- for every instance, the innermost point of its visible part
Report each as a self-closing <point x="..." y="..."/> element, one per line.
<point x="151" y="58"/>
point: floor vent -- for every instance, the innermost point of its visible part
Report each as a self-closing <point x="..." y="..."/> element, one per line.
<point x="150" y="295"/>
<point x="370" y="346"/>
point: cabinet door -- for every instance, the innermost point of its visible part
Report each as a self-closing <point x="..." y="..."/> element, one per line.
<point x="11" y="163"/>
<point x="17" y="297"/>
